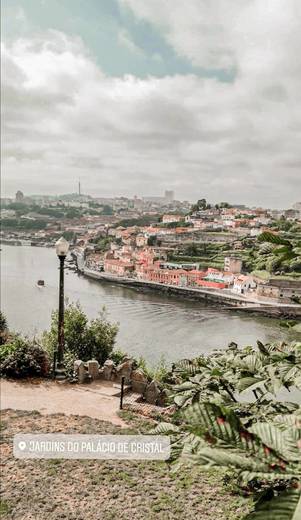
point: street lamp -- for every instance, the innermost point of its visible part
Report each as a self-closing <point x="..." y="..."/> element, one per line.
<point x="62" y="248"/>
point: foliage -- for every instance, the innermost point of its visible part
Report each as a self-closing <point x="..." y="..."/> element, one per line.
<point x="259" y="439"/>
<point x="158" y="373"/>
<point x="23" y="224"/>
<point x="84" y="339"/>
<point x="278" y="253"/>
<point x="144" y="220"/>
<point x="266" y="456"/>
<point x="103" y="244"/>
<point x="3" y="329"/>
<point x="118" y="356"/>
<point x="221" y="377"/>
<point x="201" y="205"/>
<point x="23" y="358"/>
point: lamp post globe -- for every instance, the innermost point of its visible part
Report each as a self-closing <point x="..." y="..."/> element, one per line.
<point x="62" y="248"/>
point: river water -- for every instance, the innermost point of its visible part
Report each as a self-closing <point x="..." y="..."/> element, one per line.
<point x="150" y="324"/>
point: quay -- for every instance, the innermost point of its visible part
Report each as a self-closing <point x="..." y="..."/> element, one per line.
<point x="211" y="296"/>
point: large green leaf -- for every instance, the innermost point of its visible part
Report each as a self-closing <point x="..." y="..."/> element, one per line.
<point x="286" y="506"/>
<point x="282" y="442"/>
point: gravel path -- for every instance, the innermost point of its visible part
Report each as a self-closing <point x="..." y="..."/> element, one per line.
<point x="97" y="400"/>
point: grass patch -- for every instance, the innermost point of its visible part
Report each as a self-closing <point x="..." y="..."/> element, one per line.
<point x="5" y="507"/>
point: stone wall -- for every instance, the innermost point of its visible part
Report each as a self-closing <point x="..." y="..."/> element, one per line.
<point x="135" y="378"/>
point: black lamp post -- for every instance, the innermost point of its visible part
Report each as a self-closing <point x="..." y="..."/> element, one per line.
<point x="62" y="248"/>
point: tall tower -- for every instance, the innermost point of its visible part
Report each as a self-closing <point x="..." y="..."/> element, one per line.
<point x="169" y="195"/>
<point x="79" y="187"/>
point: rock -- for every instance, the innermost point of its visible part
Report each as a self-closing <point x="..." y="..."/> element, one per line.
<point x="152" y="393"/>
<point x="162" y="398"/>
<point x="80" y="371"/>
<point x="125" y="369"/>
<point x="139" y="381"/>
<point x="108" y="369"/>
<point x="93" y="369"/>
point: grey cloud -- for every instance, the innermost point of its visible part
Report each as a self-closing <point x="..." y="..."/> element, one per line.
<point x="127" y="136"/>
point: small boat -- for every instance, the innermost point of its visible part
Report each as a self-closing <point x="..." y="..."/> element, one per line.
<point x="41" y="283"/>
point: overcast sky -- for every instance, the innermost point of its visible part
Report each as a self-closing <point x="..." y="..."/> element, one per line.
<point x="138" y="96"/>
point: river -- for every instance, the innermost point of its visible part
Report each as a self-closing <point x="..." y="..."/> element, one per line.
<point x="150" y="324"/>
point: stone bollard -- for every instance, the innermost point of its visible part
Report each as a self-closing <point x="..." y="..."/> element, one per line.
<point x="108" y="369"/>
<point x="125" y="369"/>
<point x="162" y="398"/>
<point x="152" y="393"/>
<point x="93" y="369"/>
<point x="139" y="381"/>
<point x="80" y="371"/>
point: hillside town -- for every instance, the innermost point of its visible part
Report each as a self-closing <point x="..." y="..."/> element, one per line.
<point x="251" y="252"/>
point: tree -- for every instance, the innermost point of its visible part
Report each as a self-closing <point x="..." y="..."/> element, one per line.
<point x="84" y="339"/>
<point x="3" y="328"/>
<point x="107" y="210"/>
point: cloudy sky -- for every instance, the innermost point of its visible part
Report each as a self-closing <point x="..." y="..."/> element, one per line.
<point x="139" y="96"/>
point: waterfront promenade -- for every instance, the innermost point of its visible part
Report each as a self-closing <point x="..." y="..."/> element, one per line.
<point x="221" y="297"/>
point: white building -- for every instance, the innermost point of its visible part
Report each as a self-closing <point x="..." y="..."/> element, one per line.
<point x="243" y="284"/>
<point x="167" y="219"/>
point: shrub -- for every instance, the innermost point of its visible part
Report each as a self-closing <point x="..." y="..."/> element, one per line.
<point x="118" y="356"/>
<point x="84" y="339"/>
<point x="23" y="358"/>
<point x="159" y="372"/>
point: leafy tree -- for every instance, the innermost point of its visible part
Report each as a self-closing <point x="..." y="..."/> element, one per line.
<point x="3" y="328"/>
<point x="84" y="339"/>
<point x="107" y="210"/>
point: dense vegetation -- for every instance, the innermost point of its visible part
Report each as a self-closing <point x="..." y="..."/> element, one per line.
<point x="24" y="357"/>
<point x="273" y="254"/>
<point x="21" y="357"/>
<point x="84" y="339"/>
<point x="144" y="220"/>
<point x="257" y="438"/>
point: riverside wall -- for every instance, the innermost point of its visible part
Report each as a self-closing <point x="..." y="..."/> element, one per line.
<point x="227" y="301"/>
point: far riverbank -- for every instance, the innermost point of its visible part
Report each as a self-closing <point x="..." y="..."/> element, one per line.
<point x="221" y="298"/>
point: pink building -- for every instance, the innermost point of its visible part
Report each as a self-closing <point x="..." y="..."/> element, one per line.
<point x="118" y="267"/>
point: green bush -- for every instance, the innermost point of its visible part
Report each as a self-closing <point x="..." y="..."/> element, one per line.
<point x="118" y="356"/>
<point x="3" y="329"/>
<point x="84" y="339"/>
<point x="23" y="358"/>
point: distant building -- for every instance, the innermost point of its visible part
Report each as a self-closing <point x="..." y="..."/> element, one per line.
<point x="167" y="219"/>
<point x="169" y="195"/>
<point x="118" y="267"/>
<point x="141" y="240"/>
<point x="19" y="196"/>
<point x="283" y="290"/>
<point x="232" y="264"/>
<point x="242" y="284"/>
<point x="291" y="214"/>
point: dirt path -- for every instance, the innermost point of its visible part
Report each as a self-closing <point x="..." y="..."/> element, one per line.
<point x="97" y="400"/>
